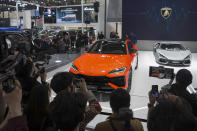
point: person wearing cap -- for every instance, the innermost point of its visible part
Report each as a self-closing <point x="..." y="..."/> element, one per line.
<point x="183" y="80"/>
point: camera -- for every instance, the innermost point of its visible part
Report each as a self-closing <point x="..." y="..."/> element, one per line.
<point x="77" y="82"/>
<point x="9" y="84"/>
<point x="40" y="67"/>
<point x="7" y="71"/>
<point x="161" y="72"/>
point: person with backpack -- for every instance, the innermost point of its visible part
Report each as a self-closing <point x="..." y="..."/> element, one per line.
<point x="122" y="117"/>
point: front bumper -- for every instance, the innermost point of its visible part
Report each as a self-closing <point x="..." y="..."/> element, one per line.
<point x="103" y="82"/>
<point x="174" y="62"/>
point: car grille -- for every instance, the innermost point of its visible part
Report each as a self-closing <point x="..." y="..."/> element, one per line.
<point x="174" y="62"/>
<point x="103" y="80"/>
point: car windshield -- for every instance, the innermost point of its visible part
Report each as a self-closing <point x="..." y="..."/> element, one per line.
<point x="172" y="47"/>
<point x="108" y="47"/>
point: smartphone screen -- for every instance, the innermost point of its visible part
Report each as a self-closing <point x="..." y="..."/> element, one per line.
<point x="155" y="92"/>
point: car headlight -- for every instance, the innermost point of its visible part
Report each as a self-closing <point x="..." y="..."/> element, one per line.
<point x="118" y="70"/>
<point x="74" y="67"/>
<point x="188" y="57"/>
<point x="162" y="56"/>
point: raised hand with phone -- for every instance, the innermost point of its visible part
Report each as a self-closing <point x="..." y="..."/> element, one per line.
<point x="14" y="118"/>
<point x="153" y="95"/>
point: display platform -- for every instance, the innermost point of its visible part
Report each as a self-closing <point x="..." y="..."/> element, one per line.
<point x="59" y="60"/>
<point x="141" y="85"/>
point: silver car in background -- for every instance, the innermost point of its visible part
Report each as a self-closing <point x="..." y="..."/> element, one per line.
<point x="172" y="53"/>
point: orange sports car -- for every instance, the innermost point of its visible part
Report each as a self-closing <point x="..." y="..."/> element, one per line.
<point x="107" y="65"/>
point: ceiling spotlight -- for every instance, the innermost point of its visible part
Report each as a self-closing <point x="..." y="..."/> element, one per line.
<point x="58" y="61"/>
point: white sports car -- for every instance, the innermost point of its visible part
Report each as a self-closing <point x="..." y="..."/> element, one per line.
<point x="172" y="53"/>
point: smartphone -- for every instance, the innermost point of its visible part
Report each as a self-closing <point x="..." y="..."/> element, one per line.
<point x="155" y="92"/>
<point x="161" y="72"/>
<point x="42" y="70"/>
<point x="77" y="82"/>
<point x="9" y="85"/>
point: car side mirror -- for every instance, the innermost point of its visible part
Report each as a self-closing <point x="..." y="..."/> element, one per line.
<point x="155" y="46"/>
<point x="134" y="50"/>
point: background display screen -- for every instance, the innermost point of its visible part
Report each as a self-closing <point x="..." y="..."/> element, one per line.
<point x="49" y="15"/>
<point x="146" y="19"/>
<point x="69" y="15"/>
<point x="90" y="14"/>
<point x="4" y="22"/>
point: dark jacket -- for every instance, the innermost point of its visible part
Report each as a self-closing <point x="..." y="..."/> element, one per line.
<point x="18" y="124"/>
<point x="47" y="124"/>
<point x="92" y="110"/>
<point x="183" y="93"/>
<point x="27" y="84"/>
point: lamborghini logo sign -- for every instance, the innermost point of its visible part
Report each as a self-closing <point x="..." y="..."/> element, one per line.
<point x="166" y="12"/>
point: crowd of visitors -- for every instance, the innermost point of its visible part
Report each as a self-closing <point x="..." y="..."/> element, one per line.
<point x="64" y="41"/>
<point x="61" y="43"/>
<point x="27" y="107"/>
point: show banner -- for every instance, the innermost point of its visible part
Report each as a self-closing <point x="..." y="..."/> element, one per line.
<point x="160" y="19"/>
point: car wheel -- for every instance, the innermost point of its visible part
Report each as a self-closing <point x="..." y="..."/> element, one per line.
<point x="129" y="81"/>
<point x="136" y="63"/>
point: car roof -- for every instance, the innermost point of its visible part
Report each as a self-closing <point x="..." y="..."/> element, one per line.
<point x="9" y="29"/>
<point x="11" y="33"/>
<point x="111" y="40"/>
<point x="169" y="42"/>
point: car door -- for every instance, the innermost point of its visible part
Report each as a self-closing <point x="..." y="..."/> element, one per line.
<point x="132" y="54"/>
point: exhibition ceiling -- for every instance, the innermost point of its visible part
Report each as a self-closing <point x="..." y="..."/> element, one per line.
<point x="46" y="2"/>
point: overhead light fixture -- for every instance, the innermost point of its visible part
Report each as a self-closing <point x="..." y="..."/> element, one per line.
<point x="58" y="61"/>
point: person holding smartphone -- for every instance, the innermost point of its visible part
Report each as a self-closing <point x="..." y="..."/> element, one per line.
<point x="67" y="81"/>
<point x="153" y="95"/>
<point x="183" y="79"/>
<point x="169" y="112"/>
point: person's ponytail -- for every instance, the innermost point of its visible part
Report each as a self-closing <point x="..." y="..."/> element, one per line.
<point x="126" y="114"/>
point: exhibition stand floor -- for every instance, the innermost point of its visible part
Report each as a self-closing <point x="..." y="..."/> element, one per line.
<point x="141" y="85"/>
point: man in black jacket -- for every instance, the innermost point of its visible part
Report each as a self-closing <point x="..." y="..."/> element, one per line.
<point x="183" y="80"/>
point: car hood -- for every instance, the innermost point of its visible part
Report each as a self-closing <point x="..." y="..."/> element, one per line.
<point x="174" y="55"/>
<point x="100" y="64"/>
